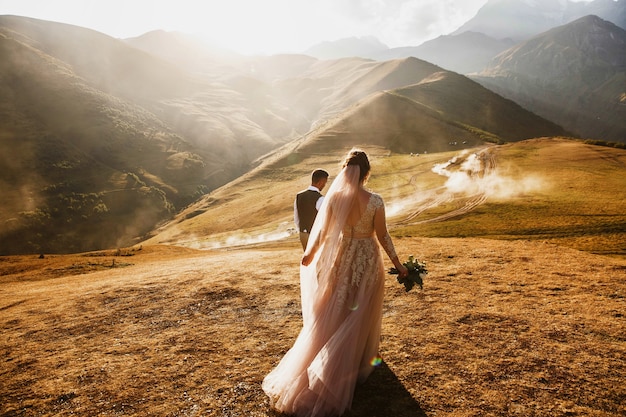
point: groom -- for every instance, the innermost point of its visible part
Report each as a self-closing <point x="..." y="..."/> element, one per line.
<point x="308" y="203"/>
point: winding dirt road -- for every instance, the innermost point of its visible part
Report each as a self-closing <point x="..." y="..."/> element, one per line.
<point x="443" y="195"/>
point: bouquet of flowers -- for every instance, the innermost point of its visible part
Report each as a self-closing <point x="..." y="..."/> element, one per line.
<point x="417" y="271"/>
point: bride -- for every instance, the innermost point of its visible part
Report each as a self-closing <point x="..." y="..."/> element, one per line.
<point x="342" y="287"/>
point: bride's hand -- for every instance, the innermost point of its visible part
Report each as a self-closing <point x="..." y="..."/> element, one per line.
<point x="402" y="271"/>
<point x="306" y="259"/>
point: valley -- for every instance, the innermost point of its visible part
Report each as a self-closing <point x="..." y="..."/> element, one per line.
<point x="149" y="264"/>
<point x="109" y="146"/>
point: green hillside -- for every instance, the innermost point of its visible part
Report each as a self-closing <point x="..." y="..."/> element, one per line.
<point x="555" y="190"/>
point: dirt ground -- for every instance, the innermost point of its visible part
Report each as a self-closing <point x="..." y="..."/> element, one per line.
<point x="501" y="328"/>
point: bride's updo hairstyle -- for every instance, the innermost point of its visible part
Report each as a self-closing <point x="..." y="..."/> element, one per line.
<point x="358" y="157"/>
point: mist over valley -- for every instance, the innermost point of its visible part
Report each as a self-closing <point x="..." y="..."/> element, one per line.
<point x="105" y="139"/>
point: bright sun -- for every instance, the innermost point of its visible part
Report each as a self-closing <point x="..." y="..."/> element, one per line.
<point x="251" y="26"/>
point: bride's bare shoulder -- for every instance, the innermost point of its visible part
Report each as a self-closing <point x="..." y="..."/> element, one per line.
<point x="365" y="195"/>
<point x="377" y="200"/>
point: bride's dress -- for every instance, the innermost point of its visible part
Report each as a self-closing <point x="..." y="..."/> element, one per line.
<point x="342" y="311"/>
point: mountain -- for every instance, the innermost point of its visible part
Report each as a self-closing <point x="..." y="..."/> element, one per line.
<point x="497" y="26"/>
<point x="102" y="140"/>
<point x="522" y="19"/>
<point x="612" y="10"/>
<point x="110" y="140"/>
<point x="443" y="112"/>
<point x="574" y="75"/>
<point x="364" y="47"/>
<point x="464" y="53"/>
<point x="186" y="51"/>
<point x="80" y="168"/>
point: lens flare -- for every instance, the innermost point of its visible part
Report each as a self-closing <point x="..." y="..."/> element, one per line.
<point x="376" y="361"/>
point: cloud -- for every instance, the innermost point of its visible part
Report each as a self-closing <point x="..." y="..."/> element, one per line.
<point x="407" y="22"/>
<point x="268" y="26"/>
<point x="252" y="26"/>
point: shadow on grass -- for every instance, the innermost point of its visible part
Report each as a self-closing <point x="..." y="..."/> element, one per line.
<point x="383" y="395"/>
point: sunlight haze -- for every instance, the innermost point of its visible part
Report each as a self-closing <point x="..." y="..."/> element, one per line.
<point x="255" y="27"/>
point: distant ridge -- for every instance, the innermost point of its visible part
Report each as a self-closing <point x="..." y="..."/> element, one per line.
<point x="498" y="25"/>
<point x="444" y="111"/>
<point x="574" y="75"/>
<point x="103" y="140"/>
<point x="185" y="51"/>
<point x="520" y="20"/>
<point x="108" y="138"/>
<point x="464" y="53"/>
<point x="364" y="47"/>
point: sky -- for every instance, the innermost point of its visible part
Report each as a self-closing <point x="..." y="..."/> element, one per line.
<point x="260" y="26"/>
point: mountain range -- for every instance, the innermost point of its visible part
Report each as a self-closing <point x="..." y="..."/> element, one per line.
<point x="497" y="26"/>
<point x="560" y="59"/>
<point x="574" y="75"/>
<point x="103" y="139"/>
<point x="520" y="20"/>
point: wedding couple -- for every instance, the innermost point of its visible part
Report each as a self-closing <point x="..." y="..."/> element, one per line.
<point x="342" y="287"/>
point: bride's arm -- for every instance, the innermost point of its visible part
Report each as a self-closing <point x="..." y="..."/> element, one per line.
<point x="307" y="258"/>
<point x="380" y="227"/>
<point x="311" y="249"/>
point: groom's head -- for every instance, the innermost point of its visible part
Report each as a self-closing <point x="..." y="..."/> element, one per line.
<point x="319" y="178"/>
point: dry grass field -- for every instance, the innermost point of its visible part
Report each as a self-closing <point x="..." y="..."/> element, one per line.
<point x="500" y="329"/>
<point x="514" y="318"/>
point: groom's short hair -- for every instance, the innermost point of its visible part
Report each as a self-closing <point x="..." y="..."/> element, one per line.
<point x="318" y="174"/>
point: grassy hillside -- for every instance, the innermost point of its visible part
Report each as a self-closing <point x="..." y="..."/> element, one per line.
<point x="554" y="190"/>
<point x="74" y="158"/>
<point x="474" y="107"/>
<point x="104" y="141"/>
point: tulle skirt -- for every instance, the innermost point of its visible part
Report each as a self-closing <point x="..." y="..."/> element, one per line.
<point x="338" y="345"/>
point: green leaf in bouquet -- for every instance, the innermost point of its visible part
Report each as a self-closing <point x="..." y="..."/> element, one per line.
<point x="416" y="269"/>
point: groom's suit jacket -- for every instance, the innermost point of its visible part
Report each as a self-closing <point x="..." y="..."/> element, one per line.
<point x="305" y="204"/>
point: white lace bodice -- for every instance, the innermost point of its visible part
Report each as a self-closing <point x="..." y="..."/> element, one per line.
<point x="366" y="226"/>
